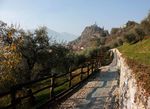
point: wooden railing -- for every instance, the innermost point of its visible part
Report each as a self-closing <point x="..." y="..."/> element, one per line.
<point x="29" y="92"/>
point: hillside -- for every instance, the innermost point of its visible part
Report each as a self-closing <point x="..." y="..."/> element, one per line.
<point x="92" y="36"/>
<point x="131" y="32"/>
<point x="138" y="58"/>
<point x="139" y="52"/>
<point x="117" y="35"/>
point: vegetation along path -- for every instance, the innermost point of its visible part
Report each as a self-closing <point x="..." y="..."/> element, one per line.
<point x="100" y="92"/>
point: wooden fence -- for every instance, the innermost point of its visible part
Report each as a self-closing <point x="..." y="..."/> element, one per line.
<point x="20" y="94"/>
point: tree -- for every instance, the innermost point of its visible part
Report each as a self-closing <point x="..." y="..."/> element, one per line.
<point x="114" y="31"/>
<point x="58" y="57"/>
<point x="120" y="42"/>
<point x="145" y="24"/>
<point x="34" y="50"/>
<point x="139" y="33"/>
<point x="9" y="57"/>
<point x="130" y="38"/>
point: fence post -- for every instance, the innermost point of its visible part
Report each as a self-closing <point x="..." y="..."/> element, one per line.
<point x="97" y="65"/>
<point x="70" y="78"/>
<point x="81" y="76"/>
<point x="52" y="84"/>
<point x="92" y="66"/>
<point x="32" y="98"/>
<point x="98" y="62"/>
<point x="88" y="69"/>
<point x="13" y="97"/>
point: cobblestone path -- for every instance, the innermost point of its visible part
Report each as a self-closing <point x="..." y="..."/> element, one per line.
<point x="100" y="92"/>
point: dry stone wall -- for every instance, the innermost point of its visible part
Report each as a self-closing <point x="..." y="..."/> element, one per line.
<point x="130" y="95"/>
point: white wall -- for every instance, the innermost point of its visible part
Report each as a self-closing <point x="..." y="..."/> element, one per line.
<point x="131" y="97"/>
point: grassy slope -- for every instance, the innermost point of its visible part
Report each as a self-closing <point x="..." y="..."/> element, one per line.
<point x="138" y="58"/>
<point x="140" y="52"/>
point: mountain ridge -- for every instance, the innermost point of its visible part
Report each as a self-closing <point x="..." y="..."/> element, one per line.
<point x="91" y="36"/>
<point x="61" y="36"/>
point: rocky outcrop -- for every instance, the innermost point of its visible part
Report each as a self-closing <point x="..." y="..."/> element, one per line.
<point x="91" y="36"/>
<point x="131" y="96"/>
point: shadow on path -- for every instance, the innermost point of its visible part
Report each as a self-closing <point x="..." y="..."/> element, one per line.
<point x="99" y="92"/>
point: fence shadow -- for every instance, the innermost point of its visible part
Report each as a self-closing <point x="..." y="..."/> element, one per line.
<point x="105" y="77"/>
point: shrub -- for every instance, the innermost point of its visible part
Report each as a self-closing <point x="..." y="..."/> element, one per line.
<point x="130" y="38"/>
<point x="120" y="42"/>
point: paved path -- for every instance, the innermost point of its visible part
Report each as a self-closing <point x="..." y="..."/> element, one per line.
<point x="100" y="92"/>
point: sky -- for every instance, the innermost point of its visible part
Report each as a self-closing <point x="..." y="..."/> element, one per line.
<point x="72" y="15"/>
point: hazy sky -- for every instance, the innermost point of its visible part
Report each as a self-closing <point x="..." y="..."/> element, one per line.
<point x="72" y="15"/>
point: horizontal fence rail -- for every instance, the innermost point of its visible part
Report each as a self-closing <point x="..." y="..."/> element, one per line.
<point x="20" y="94"/>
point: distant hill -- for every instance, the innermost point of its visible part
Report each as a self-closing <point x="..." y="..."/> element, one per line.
<point x="92" y="36"/>
<point x="131" y="32"/>
<point x="118" y="34"/>
<point x="64" y="36"/>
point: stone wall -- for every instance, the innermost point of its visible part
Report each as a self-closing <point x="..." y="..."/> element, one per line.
<point x="130" y="95"/>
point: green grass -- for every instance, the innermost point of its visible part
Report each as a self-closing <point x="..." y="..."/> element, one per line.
<point x="138" y="58"/>
<point x="140" y="52"/>
<point x="42" y="96"/>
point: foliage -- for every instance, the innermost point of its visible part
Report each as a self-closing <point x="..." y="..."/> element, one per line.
<point x="114" y="30"/>
<point x="26" y="55"/>
<point x="131" y="32"/>
<point x="145" y="25"/>
<point x="139" y="52"/>
<point x="130" y="38"/>
<point x="120" y="41"/>
<point x="9" y="57"/>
